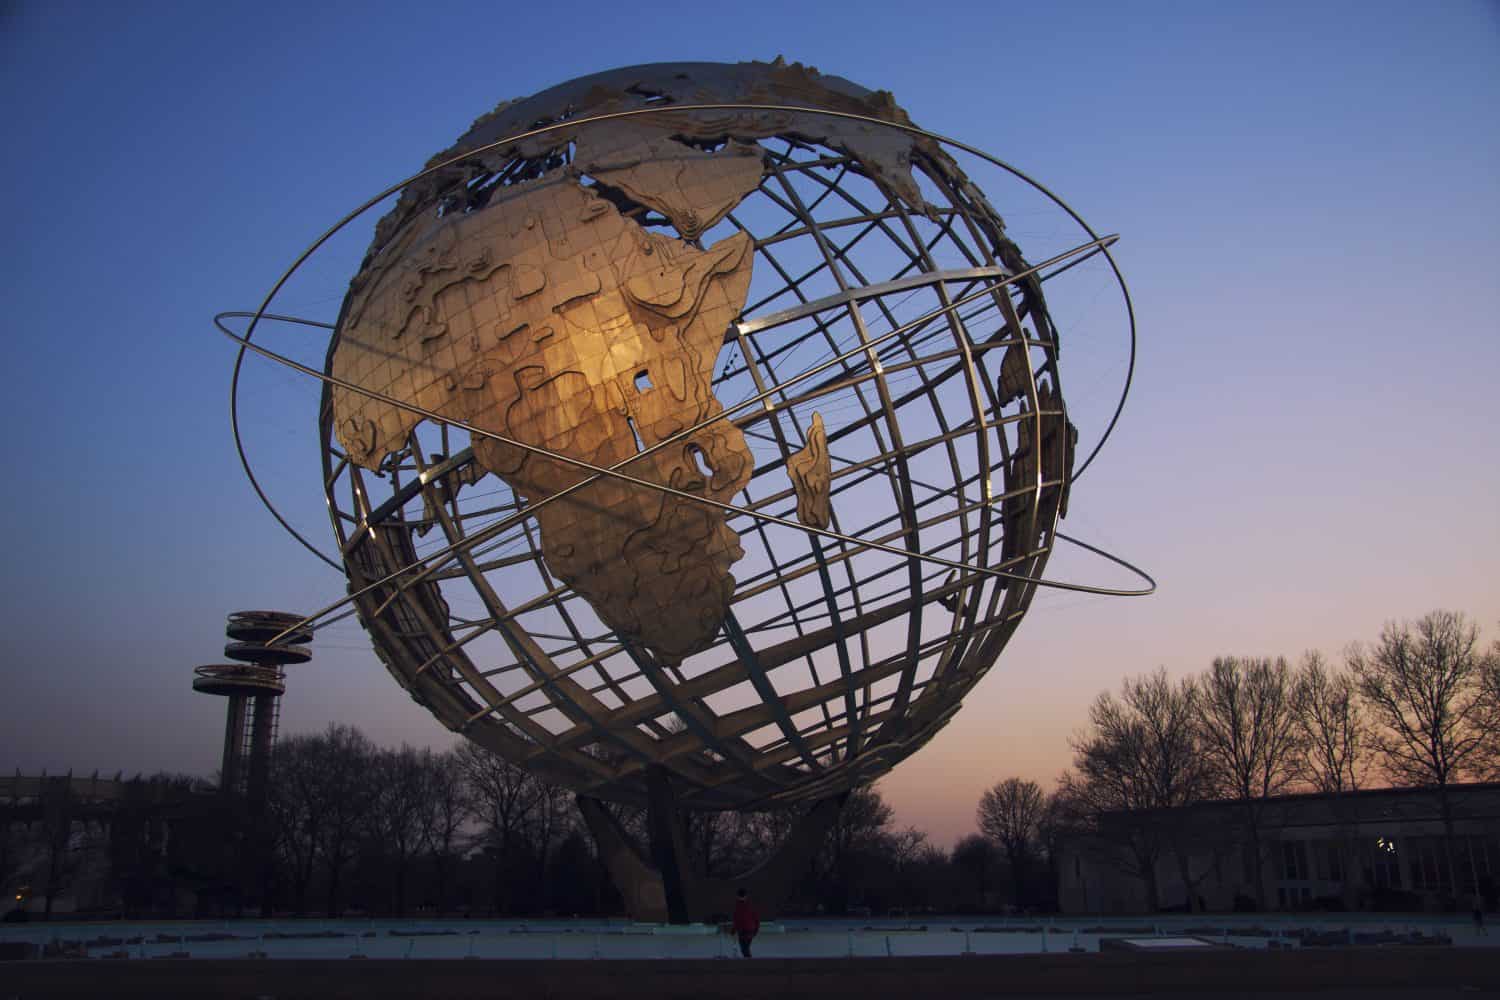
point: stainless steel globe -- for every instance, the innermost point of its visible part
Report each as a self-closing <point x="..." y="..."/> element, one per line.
<point x="695" y="417"/>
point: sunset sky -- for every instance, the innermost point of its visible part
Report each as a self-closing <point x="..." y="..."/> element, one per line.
<point x="1308" y="198"/>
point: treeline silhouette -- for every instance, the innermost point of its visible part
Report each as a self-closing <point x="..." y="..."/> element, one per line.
<point x="361" y="828"/>
<point x="353" y="827"/>
<point x="1417" y="708"/>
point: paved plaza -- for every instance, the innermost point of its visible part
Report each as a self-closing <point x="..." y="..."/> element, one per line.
<point x="1384" y="973"/>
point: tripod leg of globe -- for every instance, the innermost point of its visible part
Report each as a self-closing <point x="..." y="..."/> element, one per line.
<point x="638" y="883"/>
<point x="772" y="881"/>
<point x="645" y="889"/>
<point x="668" y="850"/>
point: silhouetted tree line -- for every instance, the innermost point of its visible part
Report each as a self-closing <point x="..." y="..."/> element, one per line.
<point x="351" y="827"/>
<point x="393" y="830"/>
<point x="1417" y="708"/>
<point x="354" y="826"/>
<point x="358" y="828"/>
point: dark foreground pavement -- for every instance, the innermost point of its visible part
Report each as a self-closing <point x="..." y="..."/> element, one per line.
<point x="1375" y="973"/>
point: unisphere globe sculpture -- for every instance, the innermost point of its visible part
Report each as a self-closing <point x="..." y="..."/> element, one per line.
<point x="723" y="444"/>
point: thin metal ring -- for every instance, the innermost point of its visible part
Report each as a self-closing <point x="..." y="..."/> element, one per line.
<point x="614" y="471"/>
<point x="1080" y="252"/>
<point x="458" y="158"/>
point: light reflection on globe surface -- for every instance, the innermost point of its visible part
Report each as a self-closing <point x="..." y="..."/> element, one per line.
<point x="620" y="288"/>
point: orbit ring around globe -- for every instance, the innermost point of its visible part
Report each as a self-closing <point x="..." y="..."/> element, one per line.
<point x="1097" y="245"/>
<point x="729" y="753"/>
<point x="617" y="473"/>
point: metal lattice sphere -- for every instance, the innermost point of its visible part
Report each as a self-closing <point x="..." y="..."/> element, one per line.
<point x="726" y="439"/>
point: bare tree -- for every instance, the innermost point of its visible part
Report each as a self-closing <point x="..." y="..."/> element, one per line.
<point x="1010" y="814"/>
<point x="1060" y="823"/>
<point x="1424" y="684"/>
<point x="503" y="796"/>
<point x="344" y="758"/>
<point x="930" y="879"/>
<point x="761" y="833"/>
<point x="297" y="810"/>
<point x="975" y="856"/>
<point x="1489" y="752"/>
<point x="1138" y="757"/>
<point x="549" y="821"/>
<point x="1251" y="741"/>
<point x="451" y="810"/>
<point x="320" y="800"/>
<point x="857" y="836"/>
<point x="1335" y="737"/>
<point x="1335" y="749"/>
<point x="905" y="853"/>
<point x="59" y="839"/>
<point x="404" y="813"/>
<point x="711" y="840"/>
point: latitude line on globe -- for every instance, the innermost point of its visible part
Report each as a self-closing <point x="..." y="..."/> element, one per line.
<point x="762" y="324"/>
<point x="614" y="472"/>
<point x="459" y="158"/>
<point x="844" y="554"/>
<point x="599" y="472"/>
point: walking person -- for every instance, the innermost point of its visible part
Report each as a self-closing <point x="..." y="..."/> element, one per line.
<point x="746" y="922"/>
<point x="1479" y="915"/>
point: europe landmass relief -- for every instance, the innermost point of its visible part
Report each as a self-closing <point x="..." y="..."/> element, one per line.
<point x="549" y="317"/>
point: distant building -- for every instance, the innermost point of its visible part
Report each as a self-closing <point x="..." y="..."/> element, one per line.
<point x="72" y="844"/>
<point x="161" y="846"/>
<point x="1380" y="849"/>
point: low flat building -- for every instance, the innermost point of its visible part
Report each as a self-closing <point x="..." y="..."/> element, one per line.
<point x="97" y="845"/>
<point x="1378" y="849"/>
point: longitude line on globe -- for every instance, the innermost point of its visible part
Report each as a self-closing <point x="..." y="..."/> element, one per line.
<point x="614" y="472"/>
<point x="632" y="113"/>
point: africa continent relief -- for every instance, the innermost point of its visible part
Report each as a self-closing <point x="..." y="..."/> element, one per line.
<point x="552" y="319"/>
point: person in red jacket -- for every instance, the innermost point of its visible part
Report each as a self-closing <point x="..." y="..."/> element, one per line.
<point x="746" y="922"/>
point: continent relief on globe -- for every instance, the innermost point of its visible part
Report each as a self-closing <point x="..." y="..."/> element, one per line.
<point x="552" y="319"/>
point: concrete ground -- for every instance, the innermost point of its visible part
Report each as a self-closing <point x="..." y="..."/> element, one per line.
<point x="1376" y="973"/>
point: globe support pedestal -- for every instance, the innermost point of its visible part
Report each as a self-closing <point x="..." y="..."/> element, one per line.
<point x="668" y="890"/>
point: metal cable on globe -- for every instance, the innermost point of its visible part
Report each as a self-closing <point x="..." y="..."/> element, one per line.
<point x="699" y="420"/>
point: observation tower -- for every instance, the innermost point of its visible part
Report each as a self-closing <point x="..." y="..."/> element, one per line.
<point x="254" y="685"/>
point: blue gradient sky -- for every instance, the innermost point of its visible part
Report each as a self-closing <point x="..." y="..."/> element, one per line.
<point x="1309" y="200"/>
